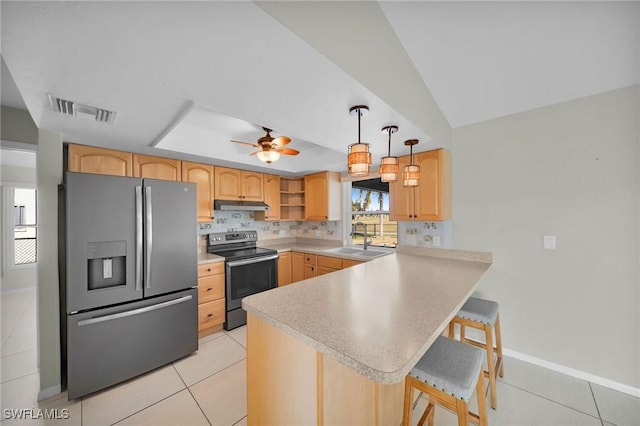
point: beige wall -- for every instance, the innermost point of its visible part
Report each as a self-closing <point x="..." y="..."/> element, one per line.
<point x="569" y="170"/>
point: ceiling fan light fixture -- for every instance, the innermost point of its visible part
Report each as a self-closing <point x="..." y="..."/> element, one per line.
<point x="359" y="158"/>
<point x="389" y="169"/>
<point x="268" y="156"/>
<point x="411" y="173"/>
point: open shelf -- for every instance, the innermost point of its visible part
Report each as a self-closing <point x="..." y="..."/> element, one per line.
<point x="292" y="198"/>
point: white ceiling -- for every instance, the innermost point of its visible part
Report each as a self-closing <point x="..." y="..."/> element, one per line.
<point x="248" y="65"/>
<point x="10" y="95"/>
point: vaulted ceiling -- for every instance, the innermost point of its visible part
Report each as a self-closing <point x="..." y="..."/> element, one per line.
<point x="187" y="77"/>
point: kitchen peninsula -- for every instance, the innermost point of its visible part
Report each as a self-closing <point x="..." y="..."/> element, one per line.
<point x="335" y="349"/>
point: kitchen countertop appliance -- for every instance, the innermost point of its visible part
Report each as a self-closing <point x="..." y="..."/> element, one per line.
<point x="248" y="270"/>
<point x="128" y="277"/>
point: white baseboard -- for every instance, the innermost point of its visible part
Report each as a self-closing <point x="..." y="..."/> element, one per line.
<point x="607" y="383"/>
<point x="49" y="392"/>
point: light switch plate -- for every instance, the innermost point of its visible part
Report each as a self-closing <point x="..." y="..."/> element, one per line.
<point x="550" y="242"/>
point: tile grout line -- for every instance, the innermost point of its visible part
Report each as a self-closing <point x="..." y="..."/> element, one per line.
<point x="596" y="404"/>
<point x="193" y="397"/>
<point x="20" y="318"/>
<point x="551" y="400"/>
<point x="148" y="406"/>
<point x="239" y="421"/>
<point x="213" y="374"/>
<point x="21" y="377"/>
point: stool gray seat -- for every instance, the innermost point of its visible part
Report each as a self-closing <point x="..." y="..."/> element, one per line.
<point x="479" y="310"/>
<point x="450" y="366"/>
<point x="449" y="372"/>
<point x="483" y="315"/>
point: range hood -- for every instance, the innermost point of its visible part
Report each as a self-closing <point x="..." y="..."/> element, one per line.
<point x="240" y="205"/>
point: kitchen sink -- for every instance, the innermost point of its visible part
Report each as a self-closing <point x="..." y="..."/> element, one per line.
<point x="357" y="252"/>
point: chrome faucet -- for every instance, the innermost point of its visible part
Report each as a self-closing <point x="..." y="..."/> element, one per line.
<point x="355" y="227"/>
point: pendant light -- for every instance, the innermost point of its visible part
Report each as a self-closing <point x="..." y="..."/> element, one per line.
<point x="359" y="158"/>
<point x="389" y="167"/>
<point x="411" y="173"/>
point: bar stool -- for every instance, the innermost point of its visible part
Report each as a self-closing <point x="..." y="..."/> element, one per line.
<point x="483" y="315"/>
<point x="448" y="372"/>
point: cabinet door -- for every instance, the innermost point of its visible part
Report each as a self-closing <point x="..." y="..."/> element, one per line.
<point x="202" y="176"/>
<point x="400" y="198"/>
<point x="433" y="196"/>
<point x="252" y="186"/>
<point x="227" y="184"/>
<point x="89" y="159"/>
<point x="316" y="196"/>
<point x="271" y="198"/>
<point x="284" y="269"/>
<point x="347" y="263"/>
<point x="310" y="271"/>
<point x="147" y="166"/>
<point x="297" y="267"/>
<point x="325" y="270"/>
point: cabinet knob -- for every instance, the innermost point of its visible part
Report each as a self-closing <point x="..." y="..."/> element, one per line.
<point x="209" y="316"/>
<point x="208" y="269"/>
<point x="209" y="289"/>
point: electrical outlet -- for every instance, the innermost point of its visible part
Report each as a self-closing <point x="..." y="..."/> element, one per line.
<point x="550" y="242"/>
<point x="436" y="241"/>
<point x="318" y="233"/>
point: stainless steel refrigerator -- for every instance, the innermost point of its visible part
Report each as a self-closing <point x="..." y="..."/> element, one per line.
<point x="128" y="277"/>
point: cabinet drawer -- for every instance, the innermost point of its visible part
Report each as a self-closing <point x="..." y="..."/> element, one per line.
<point x="210" y="269"/>
<point x="346" y="263"/>
<point x="329" y="262"/>
<point x="210" y="314"/>
<point x="325" y="270"/>
<point x="310" y="259"/>
<point x="210" y="288"/>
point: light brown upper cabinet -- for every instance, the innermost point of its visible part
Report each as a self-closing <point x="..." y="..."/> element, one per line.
<point x="148" y="166"/>
<point x="89" y="159"/>
<point x="202" y="176"/>
<point x="238" y="185"/>
<point x="431" y="199"/>
<point x="323" y="198"/>
<point x="271" y="198"/>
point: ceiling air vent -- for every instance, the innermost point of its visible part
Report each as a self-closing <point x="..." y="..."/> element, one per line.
<point x="75" y="109"/>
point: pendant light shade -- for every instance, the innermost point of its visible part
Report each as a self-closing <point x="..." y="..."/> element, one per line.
<point x="389" y="169"/>
<point x="359" y="158"/>
<point x="411" y="173"/>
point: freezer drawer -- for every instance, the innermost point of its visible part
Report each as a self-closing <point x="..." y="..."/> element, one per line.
<point x="108" y="346"/>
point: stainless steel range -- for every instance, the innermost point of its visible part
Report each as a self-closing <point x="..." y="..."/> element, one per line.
<point x="249" y="270"/>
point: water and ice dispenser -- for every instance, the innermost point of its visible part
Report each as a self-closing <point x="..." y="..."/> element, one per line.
<point x="106" y="264"/>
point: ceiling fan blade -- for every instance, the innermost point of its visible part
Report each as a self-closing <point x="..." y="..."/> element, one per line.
<point x="255" y="152"/>
<point x="246" y="143"/>
<point x="281" y="141"/>
<point x="288" y="151"/>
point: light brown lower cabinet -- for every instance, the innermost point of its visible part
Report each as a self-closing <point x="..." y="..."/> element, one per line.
<point x="211" y="307"/>
<point x="297" y="266"/>
<point x="284" y="269"/>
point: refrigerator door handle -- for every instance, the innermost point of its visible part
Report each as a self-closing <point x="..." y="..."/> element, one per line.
<point x="138" y="238"/>
<point x="149" y="234"/>
<point x="134" y="311"/>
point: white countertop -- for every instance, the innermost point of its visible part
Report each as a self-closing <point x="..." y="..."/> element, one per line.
<point x="377" y="318"/>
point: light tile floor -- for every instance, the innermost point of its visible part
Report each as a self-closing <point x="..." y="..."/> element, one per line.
<point x="209" y="387"/>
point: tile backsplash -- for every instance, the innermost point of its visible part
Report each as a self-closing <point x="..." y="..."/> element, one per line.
<point x="227" y="221"/>
<point x="422" y="234"/>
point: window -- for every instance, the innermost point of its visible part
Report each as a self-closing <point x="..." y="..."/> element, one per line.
<point x="370" y="205"/>
<point x="25" y="231"/>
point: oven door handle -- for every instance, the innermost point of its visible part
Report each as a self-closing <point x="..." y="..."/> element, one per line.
<point x="252" y="260"/>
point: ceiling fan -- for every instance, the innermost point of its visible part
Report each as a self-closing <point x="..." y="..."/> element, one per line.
<point x="270" y="147"/>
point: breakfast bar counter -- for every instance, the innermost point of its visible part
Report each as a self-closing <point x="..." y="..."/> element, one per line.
<point x="335" y="349"/>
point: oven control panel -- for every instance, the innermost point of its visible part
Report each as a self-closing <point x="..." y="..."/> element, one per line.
<point x="218" y="238"/>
